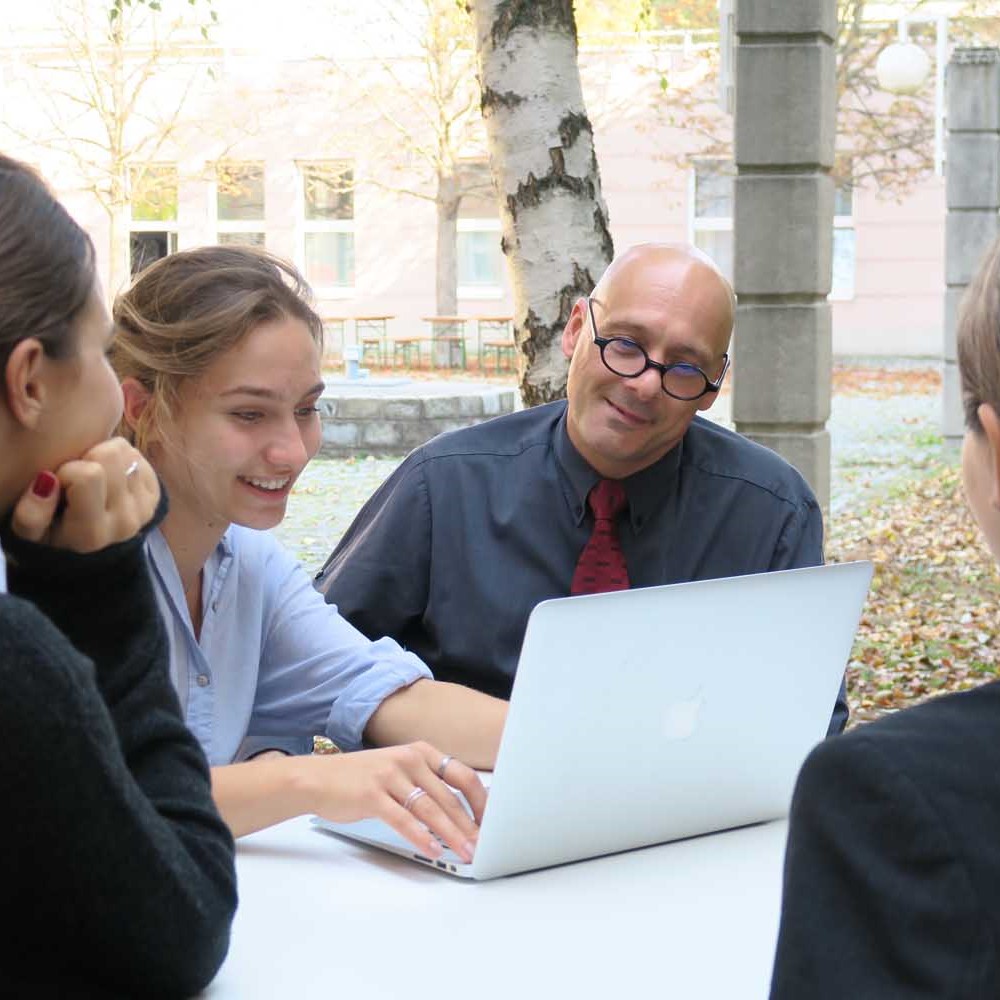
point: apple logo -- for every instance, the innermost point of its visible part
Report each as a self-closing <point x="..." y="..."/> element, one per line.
<point x="680" y="718"/>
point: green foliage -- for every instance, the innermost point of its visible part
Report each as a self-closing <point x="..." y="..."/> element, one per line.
<point x="596" y="17"/>
<point x="116" y="8"/>
<point x="623" y="16"/>
<point x="684" y="13"/>
<point x="885" y="142"/>
<point x="154" y="193"/>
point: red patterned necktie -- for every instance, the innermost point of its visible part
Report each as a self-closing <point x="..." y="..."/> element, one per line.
<point x="601" y="565"/>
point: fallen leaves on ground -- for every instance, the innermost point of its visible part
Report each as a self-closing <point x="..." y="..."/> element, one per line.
<point x="929" y="624"/>
<point x="852" y="380"/>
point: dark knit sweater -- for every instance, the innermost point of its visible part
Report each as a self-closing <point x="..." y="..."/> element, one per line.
<point x="116" y="872"/>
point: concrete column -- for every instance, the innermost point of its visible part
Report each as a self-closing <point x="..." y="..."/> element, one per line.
<point x="972" y="191"/>
<point x="785" y="128"/>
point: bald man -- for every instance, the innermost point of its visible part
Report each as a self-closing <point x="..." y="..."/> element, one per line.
<point x="476" y="527"/>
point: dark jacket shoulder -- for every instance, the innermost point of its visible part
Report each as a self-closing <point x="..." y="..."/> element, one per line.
<point x="892" y="869"/>
<point x="718" y="451"/>
<point x="943" y="758"/>
<point x="945" y="746"/>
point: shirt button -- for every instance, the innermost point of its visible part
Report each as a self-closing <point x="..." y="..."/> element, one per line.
<point x="203" y="680"/>
<point x="215" y="605"/>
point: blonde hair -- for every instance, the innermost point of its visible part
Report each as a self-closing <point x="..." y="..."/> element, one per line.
<point x="187" y="309"/>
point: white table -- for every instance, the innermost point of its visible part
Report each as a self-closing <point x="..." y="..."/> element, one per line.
<point x="322" y="917"/>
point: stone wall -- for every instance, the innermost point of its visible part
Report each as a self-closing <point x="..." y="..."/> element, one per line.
<point x="394" y="419"/>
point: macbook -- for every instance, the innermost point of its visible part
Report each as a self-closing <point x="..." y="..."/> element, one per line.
<point x="643" y="716"/>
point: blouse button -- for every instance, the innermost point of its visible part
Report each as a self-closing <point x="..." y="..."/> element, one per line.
<point x="203" y="680"/>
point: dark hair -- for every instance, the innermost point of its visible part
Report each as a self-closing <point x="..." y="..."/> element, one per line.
<point x="46" y="265"/>
<point x="188" y="308"/>
<point x="978" y="335"/>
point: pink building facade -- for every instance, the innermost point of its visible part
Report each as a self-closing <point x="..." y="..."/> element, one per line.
<point x="315" y="182"/>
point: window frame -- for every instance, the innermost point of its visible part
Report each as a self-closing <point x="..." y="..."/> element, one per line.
<point x="170" y="227"/>
<point x="305" y="226"/>
<point x="237" y="226"/>
<point x="706" y="223"/>
<point x="479" y="225"/>
<point x="478" y="197"/>
<point x="845" y="222"/>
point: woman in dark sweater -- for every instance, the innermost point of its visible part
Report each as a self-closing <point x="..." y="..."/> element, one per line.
<point x="117" y="872"/>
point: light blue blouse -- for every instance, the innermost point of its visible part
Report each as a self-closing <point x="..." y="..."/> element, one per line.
<point x="275" y="665"/>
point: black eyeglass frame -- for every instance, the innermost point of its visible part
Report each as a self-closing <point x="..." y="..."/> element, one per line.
<point x="602" y="343"/>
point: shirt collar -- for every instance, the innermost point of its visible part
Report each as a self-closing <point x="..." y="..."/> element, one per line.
<point x="166" y="568"/>
<point x="645" y="489"/>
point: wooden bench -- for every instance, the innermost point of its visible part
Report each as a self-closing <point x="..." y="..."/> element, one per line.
<point x="407" y="350"/>
<point x="447" y="341"/>
<point x="334" y="335"/>
<point x="496" y="343"/>
<point x="372" y="336"/>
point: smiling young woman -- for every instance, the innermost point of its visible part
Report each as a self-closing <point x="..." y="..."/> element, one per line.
<point x="218" y="350"/>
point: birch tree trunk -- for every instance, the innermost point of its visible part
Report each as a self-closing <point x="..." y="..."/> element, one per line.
<point x="554" y="221"/>
<point x="119" y="269"/>
<point x="117" y="195"/>
<point x="448" y="198"/>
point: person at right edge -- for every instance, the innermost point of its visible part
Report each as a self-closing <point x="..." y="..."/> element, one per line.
<point x="892" y="868"/>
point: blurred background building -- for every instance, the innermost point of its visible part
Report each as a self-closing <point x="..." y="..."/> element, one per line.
<point x="349" y="140"/>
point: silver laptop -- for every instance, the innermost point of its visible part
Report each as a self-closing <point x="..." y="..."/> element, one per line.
<point x="648" y="715"/>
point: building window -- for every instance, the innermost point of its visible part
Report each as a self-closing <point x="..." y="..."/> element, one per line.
<point x="712" y="200"/>
<point x="478" y="254"/>
<point x="479" y="258"/>
<point x="239" y="203"/>
<point x="328" y="225"/>
<point x="844" y="249"/>
<point x="153" y="214"/>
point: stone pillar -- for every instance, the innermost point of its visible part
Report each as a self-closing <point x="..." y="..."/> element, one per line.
<point x="973" y="197"/>
<point x="785" y="129"/>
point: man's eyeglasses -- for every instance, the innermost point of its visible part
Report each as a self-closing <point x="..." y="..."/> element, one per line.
<point x="628" y="359"/>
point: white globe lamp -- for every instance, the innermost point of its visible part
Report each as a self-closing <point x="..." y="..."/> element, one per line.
<point x="902" y="68"/>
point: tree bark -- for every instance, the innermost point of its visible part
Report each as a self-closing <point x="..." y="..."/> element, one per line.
<point x="553" y="217"/>
<point x="118" y="188"/>
<point x="119" y="260"/>
<point x="448" y="198"/>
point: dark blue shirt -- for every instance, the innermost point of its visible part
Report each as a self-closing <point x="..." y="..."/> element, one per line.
<point x="476" y="527"/>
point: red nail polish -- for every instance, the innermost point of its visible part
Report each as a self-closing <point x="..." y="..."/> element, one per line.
<point x="44" y="484"/>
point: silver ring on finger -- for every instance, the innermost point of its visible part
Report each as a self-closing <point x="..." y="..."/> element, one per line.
<point x="445" y="761"/>
<point x="410" y="799"/>
<point x="132" y="467"/>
